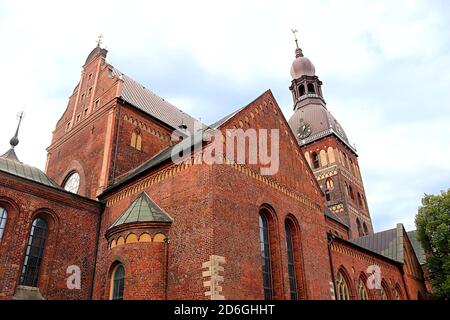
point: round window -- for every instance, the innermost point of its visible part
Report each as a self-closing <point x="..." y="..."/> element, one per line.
<point x="72" y="183"/>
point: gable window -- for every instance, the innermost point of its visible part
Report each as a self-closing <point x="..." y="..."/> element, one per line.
<point x="265" y="256"/>
<point x="342" y="287"/>
<point x="72" y="182"/>
<point x="291" y="261"/>
<point x="118" y="283"/>
<point x="136" y="140"/>
<point x="34" y="253"/>
<point x="3" y="217"/>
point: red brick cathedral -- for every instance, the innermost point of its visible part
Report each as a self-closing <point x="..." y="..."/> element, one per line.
<point x="115" y="217"/>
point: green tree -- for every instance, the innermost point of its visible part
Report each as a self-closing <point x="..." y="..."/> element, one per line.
<point x="433" y="229"/>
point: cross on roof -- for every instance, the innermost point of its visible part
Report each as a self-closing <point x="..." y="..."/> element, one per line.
<point x="99" y="40"/>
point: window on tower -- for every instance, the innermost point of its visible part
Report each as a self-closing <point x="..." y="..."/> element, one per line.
<point x="366" y="230"/>
<point x="327" y="195"/>
<point x="302" y="90"/>
<point x="311" y="89"/>
<point x="360" y="229"/>
<point x="315" y="160"/>
<point x="330" y="184"/>
<point x="350" y="191"/>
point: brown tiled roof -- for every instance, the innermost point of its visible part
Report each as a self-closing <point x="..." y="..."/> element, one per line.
<point x="145" y="100"/>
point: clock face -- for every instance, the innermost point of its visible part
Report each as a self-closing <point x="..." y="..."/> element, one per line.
<point x="304" y="130"/>
<point x="72" y="183"/>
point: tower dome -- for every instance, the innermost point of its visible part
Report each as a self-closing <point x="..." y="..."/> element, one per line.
<point x="302" y="66"/>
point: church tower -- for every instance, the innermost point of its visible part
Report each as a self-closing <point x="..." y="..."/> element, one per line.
<point x="327" y="149"/>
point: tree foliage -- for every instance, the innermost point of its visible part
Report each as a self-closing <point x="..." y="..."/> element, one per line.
<point x="433" y="229"/>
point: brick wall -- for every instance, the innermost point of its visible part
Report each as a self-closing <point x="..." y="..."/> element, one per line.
<point x="71" y="239"/>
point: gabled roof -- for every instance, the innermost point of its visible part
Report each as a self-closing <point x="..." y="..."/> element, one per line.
<point x="387" y="243"/>
<point x="145" y="100"/>
<point x="417" y="246"/>
<point x="142" y="209"/>
<point x="9" y="163"/>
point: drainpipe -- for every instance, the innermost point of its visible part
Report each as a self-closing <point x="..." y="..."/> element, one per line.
<point x="166" y="289"/>
<point x="330" y="238"/>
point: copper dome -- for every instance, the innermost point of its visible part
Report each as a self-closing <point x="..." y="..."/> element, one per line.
<point x="320" y="120"/>
<point x="302" y="66"/>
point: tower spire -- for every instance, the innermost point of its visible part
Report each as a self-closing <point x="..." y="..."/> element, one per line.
<point x="298" y="50"/>
<point x="15" y="140"/>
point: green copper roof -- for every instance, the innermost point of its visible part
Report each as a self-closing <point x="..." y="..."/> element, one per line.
<point x="143" y="209"/>
<point x="417" y="246"/>
<point x="10" y="163"/>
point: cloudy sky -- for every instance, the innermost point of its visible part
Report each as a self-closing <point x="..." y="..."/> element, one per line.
<point x="385" y="67"/>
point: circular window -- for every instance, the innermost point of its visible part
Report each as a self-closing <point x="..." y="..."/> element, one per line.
<point x="72" y="183"/>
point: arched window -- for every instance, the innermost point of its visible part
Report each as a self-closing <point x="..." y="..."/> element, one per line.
<point x="3" y="217"/>
<point x="72" y="182"/>
<point x="366" y="230"/>
<point x="302" y="90"/>
<point x="315" y="160"/>
<point x="330" y="184"/>
<point x="363" y="201"/>
<point x="358" y="195"/>
<point x="265" y="256"/>
<point x="34" y="253"/>
<point x="136" y="140"/>
<point x="311" y="89"/>
<point x="342" y="287"/>
<point x="291" y="261"/>
<point x="384" y="291"/>
<point x="360" y="229"/>
<point x="362" y="291"/>
<point x="117" y="282"/>
<point x="350" y="191"/>
<point x="397" y="293"/>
